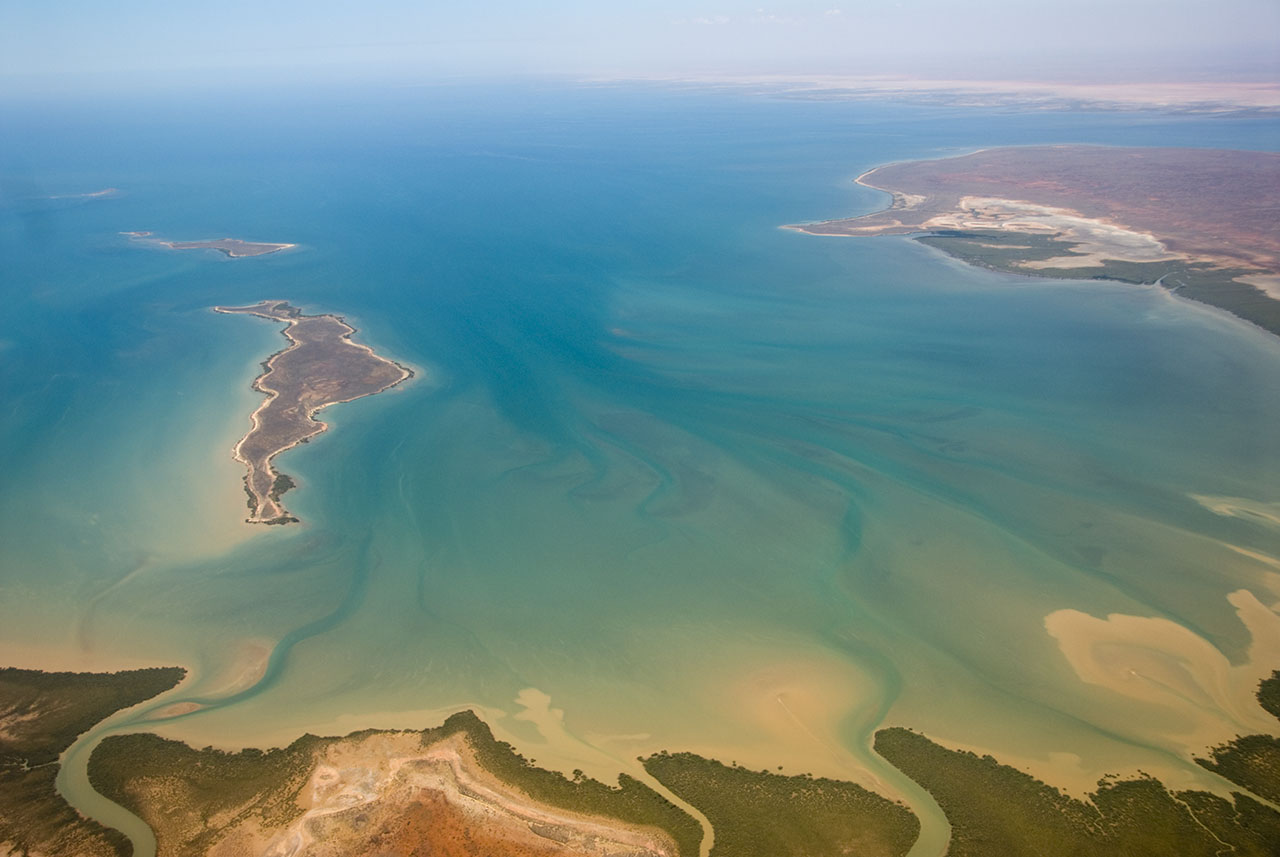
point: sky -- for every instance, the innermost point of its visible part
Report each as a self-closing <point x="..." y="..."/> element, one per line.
<point x="93" y="40"/>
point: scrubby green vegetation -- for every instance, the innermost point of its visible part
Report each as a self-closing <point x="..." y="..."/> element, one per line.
<point x="202" y="783"/>
<point x="1253" y="761"/>
<point x="1269" y="694"/>
<point x="997" y="248"/>
<point x="763" y="814"/>
<point x="41" y="715"/>
<point x="1198" y="281"/>
<point x="631" y="801"/>
<point x="998" y="810"/>
<point x="281" y="484"/>
<point x="35" y="820"/>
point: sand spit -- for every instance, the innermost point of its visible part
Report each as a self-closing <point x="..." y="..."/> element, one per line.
<point x="321" y="367"/>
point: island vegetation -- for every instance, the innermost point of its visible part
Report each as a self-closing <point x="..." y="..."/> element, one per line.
<point x="320" y="367"/>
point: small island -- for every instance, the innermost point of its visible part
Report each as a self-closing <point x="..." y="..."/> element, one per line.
<point x="233" y="247"/>
<point x="1199" y="222"/>
<point x="320" y="367"/>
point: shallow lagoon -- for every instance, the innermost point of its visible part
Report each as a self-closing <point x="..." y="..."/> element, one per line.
<point x="670" y="477"/>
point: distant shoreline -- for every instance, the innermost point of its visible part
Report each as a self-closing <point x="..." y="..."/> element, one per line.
<point x="1185" y="219"/>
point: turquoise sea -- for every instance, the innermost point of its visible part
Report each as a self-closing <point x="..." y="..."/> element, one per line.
<point x="669" y="477"/>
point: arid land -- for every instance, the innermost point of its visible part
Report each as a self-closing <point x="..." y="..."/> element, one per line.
<point x="1170" y="96"/>
<point x="320" y="367"/>
<point x="371" y="792"/>
<point x="1200" y="222"/>
<point x="233" y="247"/>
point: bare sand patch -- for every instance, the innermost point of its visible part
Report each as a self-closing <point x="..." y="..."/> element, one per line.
<point x="245" y="670"/>
<point x="1096" y="240"/>
<point x="386" y="774"/>
<point x="1268" y="284"/>
<point x="1256" y="556"/>
<point x="1258" y="511"/>
<point x="789" y="708"/>
<point x="176" y="710"/>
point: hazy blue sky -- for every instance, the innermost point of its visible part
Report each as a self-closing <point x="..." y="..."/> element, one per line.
<point x="1007" y="38"/>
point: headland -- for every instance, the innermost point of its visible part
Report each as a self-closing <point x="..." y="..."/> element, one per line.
<point x="1199" y="222"/>
<point x="233" y="247"/>
<point x="320" y="367"/>
<point x="456" y="790"/>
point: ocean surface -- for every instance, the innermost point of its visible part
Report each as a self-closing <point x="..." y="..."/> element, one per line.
<point x="669" y="477"/>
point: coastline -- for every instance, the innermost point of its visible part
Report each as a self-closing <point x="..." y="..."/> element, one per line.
<point x="1132" y="215"/>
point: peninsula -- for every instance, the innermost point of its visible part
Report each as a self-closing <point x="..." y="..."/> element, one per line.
<point x="1200" y="222"/>
<point x="320" y="367"/>
<point x="233" y="247"/>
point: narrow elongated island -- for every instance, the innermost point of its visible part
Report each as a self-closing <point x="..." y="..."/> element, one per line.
<point x="320" y="367"/>
<point x="1199" y="222"/>
<point x="235" y="248"/>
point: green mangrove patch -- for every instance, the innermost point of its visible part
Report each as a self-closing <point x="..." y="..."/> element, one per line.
<point x="41" y="715"/>
<point x="995" y="809"/>
<point x="764" y="814"/>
